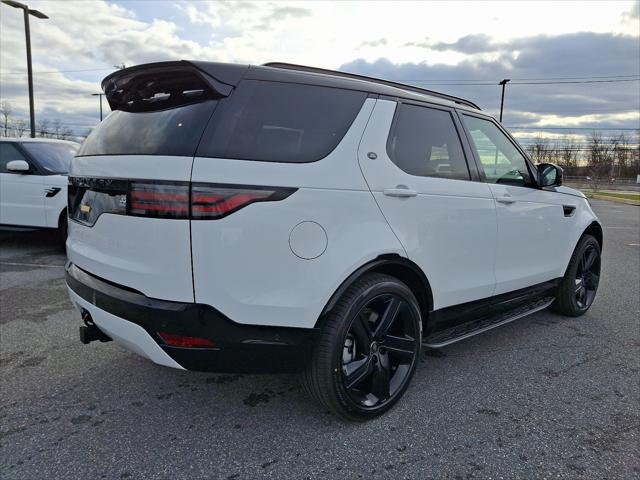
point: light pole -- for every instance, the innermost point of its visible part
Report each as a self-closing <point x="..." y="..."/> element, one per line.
<point x="99" y="95"/>
<point x="26" y="12"/>
<point x="503" y="83"/>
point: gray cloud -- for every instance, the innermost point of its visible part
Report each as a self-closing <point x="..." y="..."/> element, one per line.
<point x="569" y="55"/>
<point x="374" y="43"/>
<point x="281" y="13"/>
<point x="469" y="44"/>
<point x="634" y="13"/>
<point x="422" y="44"/>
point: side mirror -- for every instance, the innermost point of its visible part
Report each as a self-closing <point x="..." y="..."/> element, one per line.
<point x="18" y="166"/>
<point x="549" y="175"/>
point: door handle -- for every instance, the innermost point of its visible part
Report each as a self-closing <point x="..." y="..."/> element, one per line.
<point x="506" y="200"/>
<point x="399" y="192"/>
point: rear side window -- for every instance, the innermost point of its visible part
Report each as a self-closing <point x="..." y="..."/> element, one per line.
<point x="281" y="122"/>
<point x="424" y="142"/>
<point x="156" y="113"/>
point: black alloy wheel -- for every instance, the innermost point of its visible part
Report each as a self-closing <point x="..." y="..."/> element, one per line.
<point x="587" y="277"/>
<point x="379" y="350"/>
<point x="367" y="349"/>
<point x="578" y="288"/>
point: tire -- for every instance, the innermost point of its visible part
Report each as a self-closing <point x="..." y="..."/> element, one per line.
<point x="578" y="288"/>
<point x="367" y="349"/>
<point x="62" y="230"/>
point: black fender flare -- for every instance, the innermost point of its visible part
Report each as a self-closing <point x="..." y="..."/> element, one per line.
<point x="387" y="264"/>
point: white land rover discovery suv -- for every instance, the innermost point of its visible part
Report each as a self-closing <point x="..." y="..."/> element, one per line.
<point x="275" y="218"/>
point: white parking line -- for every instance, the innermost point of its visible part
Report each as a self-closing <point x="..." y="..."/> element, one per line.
<point x="634" y="244"/>
<point x="39" y="265"/>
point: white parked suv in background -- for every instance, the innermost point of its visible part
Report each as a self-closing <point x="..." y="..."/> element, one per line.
<point x="236" y="218"/>
<point x="33" y="182"/>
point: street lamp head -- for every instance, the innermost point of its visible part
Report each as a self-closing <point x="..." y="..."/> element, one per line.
<point x="13" y="4"/>
<point x="504" y="82"/>
<point x="37" y="14"/>
<point x="24" y="7"/>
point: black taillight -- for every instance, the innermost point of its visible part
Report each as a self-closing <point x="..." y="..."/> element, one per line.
<point x="89" y="198"/>
<point x="159" y="200"/>
<point x="210" y="202"/>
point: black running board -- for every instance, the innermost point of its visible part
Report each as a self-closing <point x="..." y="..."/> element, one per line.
<point x="475" y="327"/>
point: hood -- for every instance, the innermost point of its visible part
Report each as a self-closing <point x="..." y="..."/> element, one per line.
<point x="570" y="191"/>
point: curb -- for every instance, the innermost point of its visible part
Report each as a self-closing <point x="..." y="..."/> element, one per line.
<point x="613" y="199"/>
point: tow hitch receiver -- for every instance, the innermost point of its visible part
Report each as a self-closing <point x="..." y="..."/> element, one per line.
<point x="89" y="332"/>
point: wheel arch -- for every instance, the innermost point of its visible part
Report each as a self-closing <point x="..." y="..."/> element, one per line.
<point x="63" y="214"/>
<point x="399" y="267"/>
<point x="594" y="229"/>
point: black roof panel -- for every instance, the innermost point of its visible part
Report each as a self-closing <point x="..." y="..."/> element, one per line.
<point x="376" y="83"/>
<point x="225" y="76"/>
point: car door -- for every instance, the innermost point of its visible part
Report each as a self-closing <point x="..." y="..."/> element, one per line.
<point x="414" y="161"/>
<point x="533" y="228"/>
<point x="22" y="194"/>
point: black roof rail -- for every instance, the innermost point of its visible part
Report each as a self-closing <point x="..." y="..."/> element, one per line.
<point x="389" y="83"/>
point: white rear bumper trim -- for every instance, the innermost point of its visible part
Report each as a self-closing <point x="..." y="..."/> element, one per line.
<point x="128" y="335"/>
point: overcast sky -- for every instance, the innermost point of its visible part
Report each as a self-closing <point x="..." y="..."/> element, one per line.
<point x="463" y="48"/>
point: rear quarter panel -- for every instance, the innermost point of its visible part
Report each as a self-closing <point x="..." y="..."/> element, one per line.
<point x="243" y="264"/>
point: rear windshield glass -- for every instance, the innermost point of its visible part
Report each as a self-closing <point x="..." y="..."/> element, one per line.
<point x="155" y="113"/>
<point x="52" y="157"/>
<point x="281" y="122"/>
<point x="175" y="131"/>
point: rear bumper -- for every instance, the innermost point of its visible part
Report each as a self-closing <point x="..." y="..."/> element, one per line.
<point x="133" y="320"/>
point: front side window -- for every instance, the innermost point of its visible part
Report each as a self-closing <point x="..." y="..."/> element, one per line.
<point x="54" y="158"/>
<point x="8" y="153"/>
<point x="500" y="159"/>
<point x="424" y="142"/>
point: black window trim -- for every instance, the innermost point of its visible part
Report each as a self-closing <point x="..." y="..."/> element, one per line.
<point x="472" y="169"/>
<point x="527" y="160"/>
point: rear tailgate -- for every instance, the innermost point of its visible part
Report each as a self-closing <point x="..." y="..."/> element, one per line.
<point x="129" y="185"/>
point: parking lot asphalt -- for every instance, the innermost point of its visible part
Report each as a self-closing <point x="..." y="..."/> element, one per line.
<point x="544" y="397"/>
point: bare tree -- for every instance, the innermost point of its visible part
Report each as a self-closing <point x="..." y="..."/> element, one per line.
<point x="621" y="156"/>
<point x="568" y="154"/>
<point x="44" y="128"/>
<point x="20" y="127"/>
<point x="65" y="133"/>
<point x="5" y="110"/>
<point x="634" y="160"/>
<point x="55" y="128"/>
<point x="540" y="150"/>
<point x="599" y="161"/>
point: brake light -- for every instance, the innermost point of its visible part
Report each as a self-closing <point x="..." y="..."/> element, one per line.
<point x="163" y="200"/>
<point x="89" y="198"/>
<point x="185" y="341"/>
<point x="210" y="202"/>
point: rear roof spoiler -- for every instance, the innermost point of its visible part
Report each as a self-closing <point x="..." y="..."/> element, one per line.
<point x="222" y="77"/>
